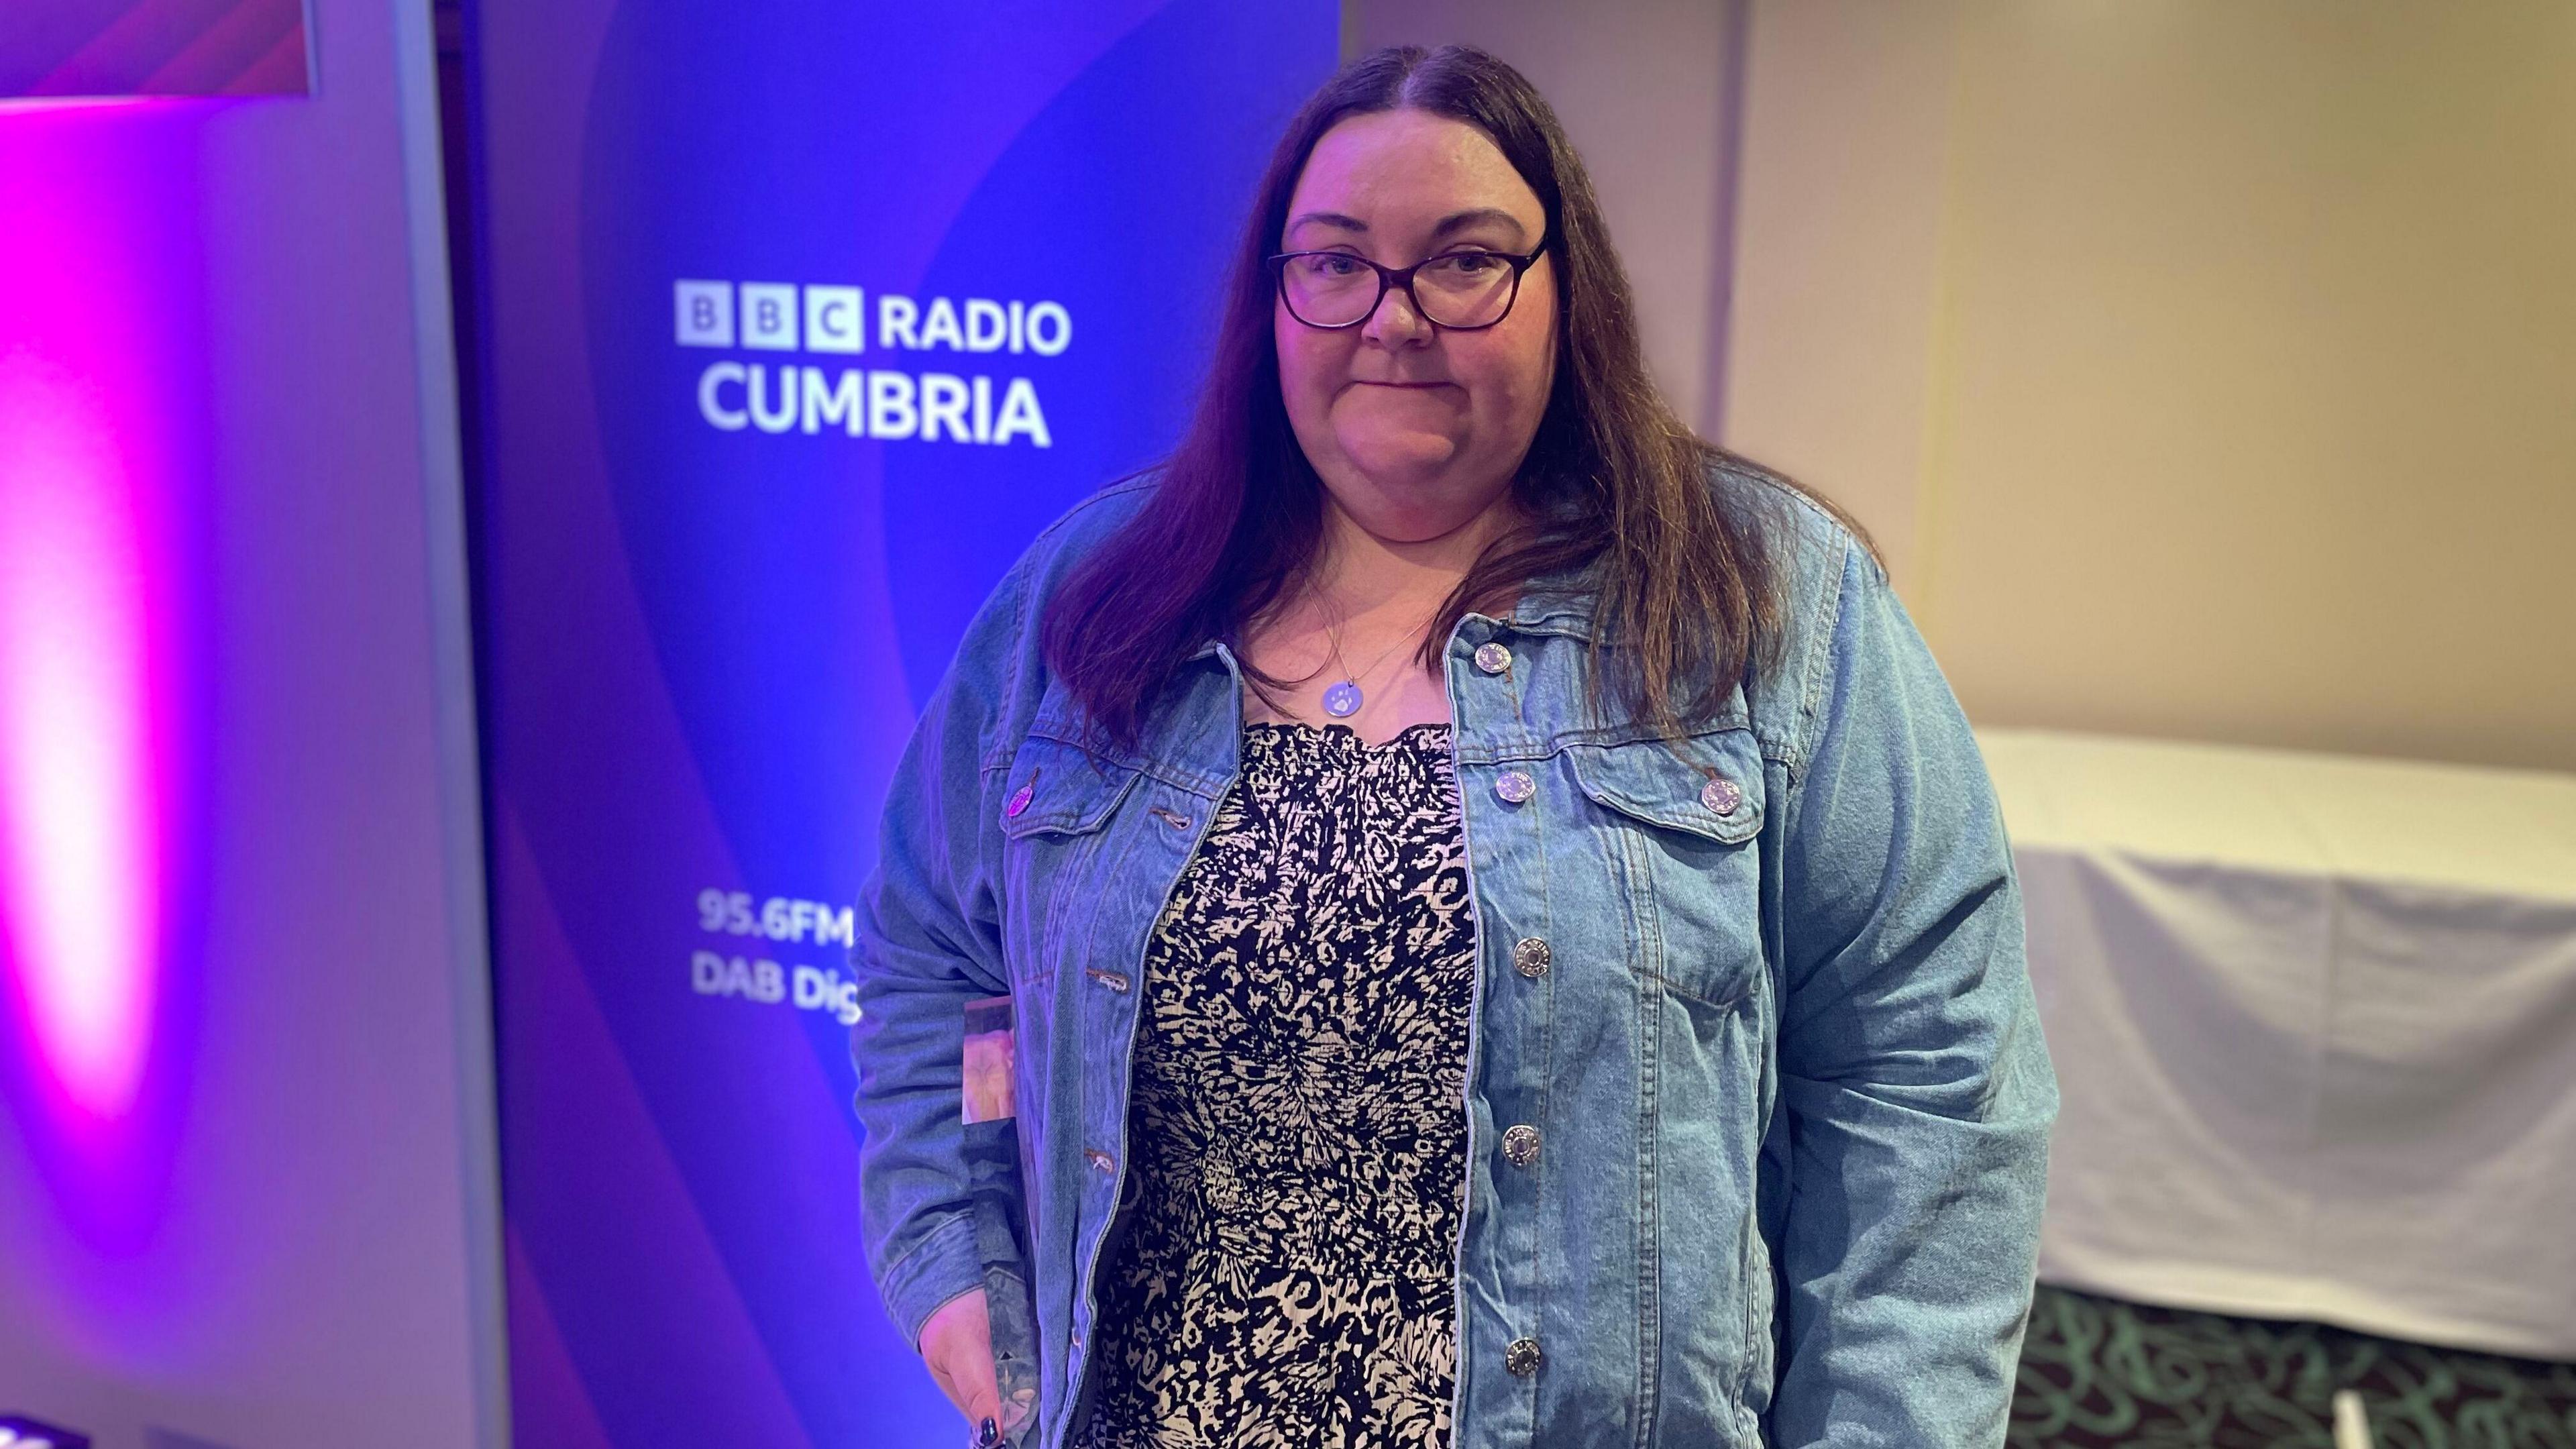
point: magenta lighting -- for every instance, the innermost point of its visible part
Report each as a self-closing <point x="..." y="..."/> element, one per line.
<point x="78" y="848"/>
<point x="101" y="389"/>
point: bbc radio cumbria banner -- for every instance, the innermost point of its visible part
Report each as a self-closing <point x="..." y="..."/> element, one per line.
<point x="791" y="324"/>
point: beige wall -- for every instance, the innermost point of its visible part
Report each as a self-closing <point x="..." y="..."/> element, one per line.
<point x="2204" y="368"/>
<point x="2208" y="369"/>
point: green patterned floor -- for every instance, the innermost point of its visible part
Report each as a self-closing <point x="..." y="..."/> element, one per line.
<point x="2097" y="1372"/>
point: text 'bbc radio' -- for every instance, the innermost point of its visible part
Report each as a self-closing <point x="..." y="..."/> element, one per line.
<point x="887" y="402"/>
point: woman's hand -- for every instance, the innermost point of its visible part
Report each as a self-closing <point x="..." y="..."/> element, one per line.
<point x="957" y="1343"/>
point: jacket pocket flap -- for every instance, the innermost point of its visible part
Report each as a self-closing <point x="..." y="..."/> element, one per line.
<point x="1712" y="788"/>
<point x="1057" y="788"/>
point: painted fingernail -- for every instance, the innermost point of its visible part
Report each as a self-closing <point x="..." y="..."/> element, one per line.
<point x="988" y="1433"/>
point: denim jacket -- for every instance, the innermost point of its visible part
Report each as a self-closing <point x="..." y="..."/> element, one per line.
<point x="1762" y="997"/>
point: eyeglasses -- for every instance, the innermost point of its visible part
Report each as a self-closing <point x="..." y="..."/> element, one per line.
<point x="1463" y="291"/>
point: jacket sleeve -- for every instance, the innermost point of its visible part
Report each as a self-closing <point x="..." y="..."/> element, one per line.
<point x="1917" y="1091"/>
<point x="929" y="940"/>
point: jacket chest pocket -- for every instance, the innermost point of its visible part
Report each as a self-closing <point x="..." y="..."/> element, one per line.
<point x="1675" y="825"/>
<point x="1059" y="806"/>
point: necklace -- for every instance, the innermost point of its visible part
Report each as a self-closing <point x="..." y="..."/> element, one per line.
<point x="1344" y="698"/>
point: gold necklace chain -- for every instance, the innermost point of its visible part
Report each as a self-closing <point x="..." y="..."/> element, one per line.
<point x="1332" y="637"/>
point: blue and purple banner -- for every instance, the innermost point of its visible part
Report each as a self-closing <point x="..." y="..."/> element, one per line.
<point x="792" y="324"/>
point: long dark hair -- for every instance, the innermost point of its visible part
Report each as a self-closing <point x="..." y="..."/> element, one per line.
<point x="1617" y="487"/>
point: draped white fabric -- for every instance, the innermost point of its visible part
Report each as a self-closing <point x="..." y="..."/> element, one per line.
<point x="2314" y="1019"/>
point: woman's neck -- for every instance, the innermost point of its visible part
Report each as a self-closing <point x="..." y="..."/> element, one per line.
<point x="1362" y="572"/>
<point x="1371" y="598"/>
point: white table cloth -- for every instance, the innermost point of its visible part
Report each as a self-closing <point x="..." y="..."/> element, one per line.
<point x="2314" y="1020"/>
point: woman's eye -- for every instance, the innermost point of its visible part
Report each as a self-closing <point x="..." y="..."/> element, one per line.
<point x="1321" y="265"/>
<point x="1469" y="264"/>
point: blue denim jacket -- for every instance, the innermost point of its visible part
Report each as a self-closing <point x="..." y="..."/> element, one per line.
<point x="1763" y="999"/>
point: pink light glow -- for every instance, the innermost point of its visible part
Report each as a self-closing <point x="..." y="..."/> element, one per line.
<point x="92" y="328"/>
<point x="78" y="824"/>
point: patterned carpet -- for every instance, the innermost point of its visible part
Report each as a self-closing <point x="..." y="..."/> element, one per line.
<point x="2099" y="1372"/>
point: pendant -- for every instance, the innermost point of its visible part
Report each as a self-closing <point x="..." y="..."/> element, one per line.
<point x="1342" y="700"/>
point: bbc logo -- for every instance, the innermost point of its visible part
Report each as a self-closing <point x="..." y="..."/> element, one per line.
<point x="771" y="316"/>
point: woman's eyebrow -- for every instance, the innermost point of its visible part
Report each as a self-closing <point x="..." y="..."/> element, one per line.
<point x="1448" y="225"/>
<point x="1460" y="221"/>
<point x="1329" y="218"/>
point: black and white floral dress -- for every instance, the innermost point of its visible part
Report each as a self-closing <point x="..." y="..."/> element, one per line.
<point x="1297" y="1139"/>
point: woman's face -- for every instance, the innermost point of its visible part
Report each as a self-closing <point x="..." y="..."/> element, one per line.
<point x="1416" y="429"/>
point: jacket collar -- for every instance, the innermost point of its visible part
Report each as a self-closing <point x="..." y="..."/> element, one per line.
<point x="1554" y="604"/>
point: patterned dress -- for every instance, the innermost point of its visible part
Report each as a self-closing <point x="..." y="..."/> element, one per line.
<point x="1297" y="1142"/>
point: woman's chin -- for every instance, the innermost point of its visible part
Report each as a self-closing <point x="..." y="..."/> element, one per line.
<point x="1401" y="461"/>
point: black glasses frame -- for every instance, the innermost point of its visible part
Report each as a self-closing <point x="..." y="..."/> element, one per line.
<point x="1390" y="278"/>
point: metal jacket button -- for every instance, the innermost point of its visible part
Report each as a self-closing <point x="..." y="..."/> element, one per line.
<point x="1721" y="795"/>
<point x="1520" y="1144"/>
<point x="1515" y="786"/>
<point x="1114" y="980"/>
<point x="1099" y="1159"/>
<point x="1522" y="1357"/>
<point x="1493" y="658"/>
<point x="1530" y="956"/>
<point x="1020" y="799"/>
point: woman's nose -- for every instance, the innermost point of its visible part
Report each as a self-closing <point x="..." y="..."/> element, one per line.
<point x="1396" y="322"/>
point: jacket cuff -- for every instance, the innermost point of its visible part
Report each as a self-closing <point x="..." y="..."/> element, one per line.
<point x="943" y="1265"/>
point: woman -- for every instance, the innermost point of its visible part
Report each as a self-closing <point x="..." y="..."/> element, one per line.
<point x="1509" y="934"/>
